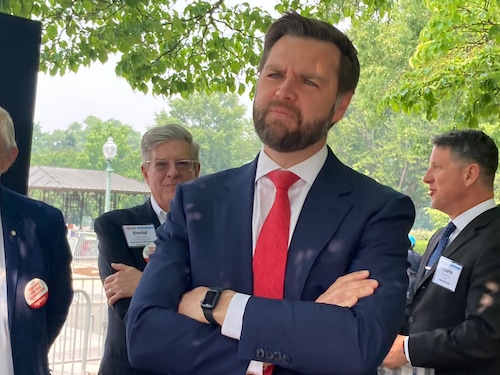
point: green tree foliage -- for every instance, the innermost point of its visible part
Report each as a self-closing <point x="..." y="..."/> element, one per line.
<point x="212" y="46"/>
<point x="456" y="66"/>
<point x="80" y="146"/>
<point x="166" y="46"/>
<point x="219" y="125"/>
<point x="391" y="147"/>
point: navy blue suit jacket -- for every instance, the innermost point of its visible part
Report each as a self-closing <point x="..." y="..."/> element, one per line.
<point x="348" y="223"/>
<point x="36" y="246"/>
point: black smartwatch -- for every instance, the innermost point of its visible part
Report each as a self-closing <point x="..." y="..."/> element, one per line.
<point x="209" y="302"/>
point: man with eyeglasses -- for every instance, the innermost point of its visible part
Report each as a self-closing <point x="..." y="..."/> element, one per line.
<point x="126" y="236"/>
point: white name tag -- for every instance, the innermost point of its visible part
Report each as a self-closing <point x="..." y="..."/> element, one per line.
<point x="139" y="235"/>
<point x="447" y="273"/>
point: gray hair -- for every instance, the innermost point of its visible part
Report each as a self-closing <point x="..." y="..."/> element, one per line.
<point x="7" y="132"/>
<point x="166" y="133"/>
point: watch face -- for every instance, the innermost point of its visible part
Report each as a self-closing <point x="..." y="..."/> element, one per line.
<point x="210" y="299"/>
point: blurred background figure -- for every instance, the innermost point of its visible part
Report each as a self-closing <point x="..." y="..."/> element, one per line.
<point x="414" y="259"/>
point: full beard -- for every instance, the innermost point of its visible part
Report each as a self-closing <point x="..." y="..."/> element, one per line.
<point x="279" y="137"/>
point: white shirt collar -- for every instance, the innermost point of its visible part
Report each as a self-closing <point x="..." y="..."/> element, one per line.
<point x="160" y="212"/>
<point x="462" y="220"/>
<point x="307" y="170"/>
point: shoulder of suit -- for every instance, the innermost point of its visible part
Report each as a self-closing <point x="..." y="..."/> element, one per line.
<point x="22" y="203"/>
<point x="123" y="214"/>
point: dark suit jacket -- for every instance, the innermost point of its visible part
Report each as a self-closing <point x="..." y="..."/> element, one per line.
<point x="459" y="332"/>
<point x="348" y="222"/>
<point x="36" y="246"/>
<point x="113" y="248"/>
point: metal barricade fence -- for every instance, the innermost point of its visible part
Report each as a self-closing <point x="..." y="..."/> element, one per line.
<point x="78" y="348"/>
<point x="68" y="354"/>
<point x="84" y="248"/>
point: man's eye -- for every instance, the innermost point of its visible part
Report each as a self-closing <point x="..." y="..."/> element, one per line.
<point x="160" y="165"/>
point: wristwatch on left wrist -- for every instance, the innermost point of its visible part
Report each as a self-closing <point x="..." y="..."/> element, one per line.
<point x="209" y="303"/>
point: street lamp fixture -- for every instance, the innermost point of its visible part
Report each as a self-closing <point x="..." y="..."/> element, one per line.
<point x="109" y="150"/>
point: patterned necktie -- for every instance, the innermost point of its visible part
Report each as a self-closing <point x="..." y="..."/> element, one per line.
<point x="443" y="241"/>
<point x="269" y="261"/>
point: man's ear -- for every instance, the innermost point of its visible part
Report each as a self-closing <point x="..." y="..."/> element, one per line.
<point x="341" y="106"/>
<point x="145" y="174"/>
<point x="472" y="172"/>
<point x="197" y="169"/>
<point x="9" y="159"/>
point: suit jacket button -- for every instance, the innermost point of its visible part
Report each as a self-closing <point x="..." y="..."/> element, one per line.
<point x="277" y="356"/>
<point x="411" y="320"/>
<point x="286" y="358"/>
<point x="260" y="353"/>
<point x="269" y="355"/>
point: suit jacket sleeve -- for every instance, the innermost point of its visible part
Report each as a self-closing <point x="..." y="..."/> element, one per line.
<point x="159" y="339"/>
<point x="317" y="338"/>
<point x="340" y="340"/>
<point x="113" y="248"/>
<point x="61" y="290"/>
<point x="476" y="340"/>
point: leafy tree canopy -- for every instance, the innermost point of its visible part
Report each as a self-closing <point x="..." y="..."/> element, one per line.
<point x="213" y="46"/>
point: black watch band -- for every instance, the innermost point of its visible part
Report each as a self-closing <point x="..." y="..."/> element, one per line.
<point x="209" y="303"/>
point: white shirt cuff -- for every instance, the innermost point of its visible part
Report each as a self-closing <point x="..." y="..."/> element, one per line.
<point x="407" y="351"/>
<point x="233" y="322"/>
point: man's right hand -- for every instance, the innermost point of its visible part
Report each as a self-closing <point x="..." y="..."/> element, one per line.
<point x="122" y="283"/>
<point x="347" y="290"/>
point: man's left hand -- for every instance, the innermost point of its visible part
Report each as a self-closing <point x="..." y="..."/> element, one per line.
<point x="396" y="356"/>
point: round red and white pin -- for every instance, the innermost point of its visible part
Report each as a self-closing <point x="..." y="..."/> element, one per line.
<point x="148" y="250"/>
<point x="36" y="293"/>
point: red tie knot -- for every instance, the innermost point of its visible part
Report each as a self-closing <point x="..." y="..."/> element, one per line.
<point x="283" y="179"/>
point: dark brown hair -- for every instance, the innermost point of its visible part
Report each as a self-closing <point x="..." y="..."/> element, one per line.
<point x="293" y="24"/>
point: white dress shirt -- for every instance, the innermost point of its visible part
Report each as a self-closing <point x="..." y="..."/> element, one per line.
<point x="264" y="194"/>
<point x="160" y="213"/>
<point x="461" y="221"/>
<point x="6" y="364"/>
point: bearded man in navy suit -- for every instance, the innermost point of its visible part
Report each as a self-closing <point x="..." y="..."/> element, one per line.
<point x="340" y="222"/>
<point x="35" y="272"/>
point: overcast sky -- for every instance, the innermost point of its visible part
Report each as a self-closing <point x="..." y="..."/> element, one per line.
<point x="97" y="91"/>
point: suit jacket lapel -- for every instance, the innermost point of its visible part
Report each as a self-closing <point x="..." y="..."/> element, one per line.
<point x="311" y="235"/>
<point x="468" y="233"/>
<point x="233" y="209"/>
<point x="421" y="274"/>
<point x="146" y="214"/>
<point x="11" y="228"/>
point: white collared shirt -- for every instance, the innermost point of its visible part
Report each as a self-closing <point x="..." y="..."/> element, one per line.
<point x="160" y="212"/>
<point x="6" y="364"/>
<point x="264" y="194"/>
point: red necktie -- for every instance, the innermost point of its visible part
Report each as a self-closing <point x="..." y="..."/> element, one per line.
<point x="269" y="260"/>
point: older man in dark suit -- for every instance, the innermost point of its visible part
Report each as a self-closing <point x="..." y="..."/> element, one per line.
<point x="126" y="236"/>
<point x="35" y="272"/>
<point x="453" y="323"/>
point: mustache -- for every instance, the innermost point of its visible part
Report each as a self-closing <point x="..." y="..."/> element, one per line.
<point x="284" y="105"/>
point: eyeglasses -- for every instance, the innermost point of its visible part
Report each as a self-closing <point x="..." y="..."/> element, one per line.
<point x="183" y="166"/>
